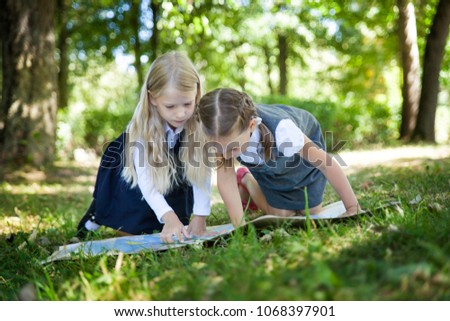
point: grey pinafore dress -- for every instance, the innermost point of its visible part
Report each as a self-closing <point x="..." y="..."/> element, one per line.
<point x="283" y="180"/>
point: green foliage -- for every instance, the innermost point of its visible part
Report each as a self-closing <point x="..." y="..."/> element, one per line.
<point x="397" y="254"/>
<point x="355" y="124"/>
<point x="103" y="126"/>
<point x="343" y="54"/>
<point x="104" y="100"/>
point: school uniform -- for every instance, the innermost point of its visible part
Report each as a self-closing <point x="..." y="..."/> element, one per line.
<point x="283" y="179"/>
<point x="140" y="209"/>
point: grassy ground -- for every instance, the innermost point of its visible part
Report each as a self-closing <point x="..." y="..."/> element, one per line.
<point x="399" y="254"/>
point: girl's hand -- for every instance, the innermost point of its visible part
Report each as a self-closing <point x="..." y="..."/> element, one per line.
<point x="353" y="210"/>
<point x="197" y="226"/>
<point x="173" y="227"/>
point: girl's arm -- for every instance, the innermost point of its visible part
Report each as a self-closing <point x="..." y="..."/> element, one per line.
<point x="201" y="209"/>
<point x="228" y="189"/>
<point x="154" y="199"/>
<point x="333" y="172"/>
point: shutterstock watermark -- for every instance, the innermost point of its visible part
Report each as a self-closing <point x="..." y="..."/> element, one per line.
<point x="156" y="154"/>
<point x="335" y="148"/>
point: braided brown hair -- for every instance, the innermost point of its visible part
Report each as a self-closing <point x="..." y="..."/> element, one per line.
<point x="224" y="111"/>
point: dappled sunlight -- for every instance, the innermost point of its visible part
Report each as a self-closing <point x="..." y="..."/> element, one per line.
<point x="398" y="258"/>
<point x="37" y="189"/>
<point x="398" y="253"/>
<point x="391" y="157"/>
<point x="16" y="224"/>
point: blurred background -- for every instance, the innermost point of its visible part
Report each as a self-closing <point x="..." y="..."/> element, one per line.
<point x="373" y="72"/>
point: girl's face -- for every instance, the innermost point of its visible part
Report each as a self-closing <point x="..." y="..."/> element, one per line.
<point x="236" y="143"/>
<point x="174" y="106"/>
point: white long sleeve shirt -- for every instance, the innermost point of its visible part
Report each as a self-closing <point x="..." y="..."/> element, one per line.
<point x="289" y="140"/>
<point x="155" y="199"/>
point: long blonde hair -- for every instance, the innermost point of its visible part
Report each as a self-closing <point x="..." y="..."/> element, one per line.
<point x="146" y="126"/>
<point x="224" y="111"/>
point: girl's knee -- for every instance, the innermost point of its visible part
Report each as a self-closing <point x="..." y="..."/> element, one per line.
<point x="314" y="210"/>
<point x="282" y="212"/>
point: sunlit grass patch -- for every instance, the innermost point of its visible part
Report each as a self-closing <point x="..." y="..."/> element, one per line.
<point x="400" y="253"/>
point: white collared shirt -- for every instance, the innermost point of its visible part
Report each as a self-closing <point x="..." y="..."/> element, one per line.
<point x="172" y="135"/>
<point x="155" y="199"/>
<point x="289" y="140"/>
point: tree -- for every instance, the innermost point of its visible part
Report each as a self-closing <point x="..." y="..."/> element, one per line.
<point x="155" y="8"/>
<point x="135" y="14"/>
<point x="28" y="107"/>
<point x="282" y="63"/>
<point x="63" y="52"/>
<point x="434" y="52"/>
<point x="411" y="67"/>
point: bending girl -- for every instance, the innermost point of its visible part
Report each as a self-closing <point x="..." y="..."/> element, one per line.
<point x="282" y="151"/>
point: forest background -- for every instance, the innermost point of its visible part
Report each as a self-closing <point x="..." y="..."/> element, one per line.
<point x="371" y="71"/>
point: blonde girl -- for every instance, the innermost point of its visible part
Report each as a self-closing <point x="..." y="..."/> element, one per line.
<point x="153" y="177"/>
<point x="282" y="151"/>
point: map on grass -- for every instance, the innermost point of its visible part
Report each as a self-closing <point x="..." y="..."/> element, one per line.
<point x="152" y="242"/>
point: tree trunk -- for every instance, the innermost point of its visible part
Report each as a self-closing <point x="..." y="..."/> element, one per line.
<point x="434" y="52"/>
<point x="411" y="67"/>
<point x="269" y="69"/>
<point x="28" y="107"/>
<point x="282" y="63"/>
<point x="63" y="72"/>
<point x="241" y="79"/>
<point x="136" y="15"/>
<point x="155" y="7"/>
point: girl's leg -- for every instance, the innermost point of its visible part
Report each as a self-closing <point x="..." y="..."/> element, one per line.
<point x="122" y="233"/>
<point x="313" y="210"/>
<point x="243" y="192"/>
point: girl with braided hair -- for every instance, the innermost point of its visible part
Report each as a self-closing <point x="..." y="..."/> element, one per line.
<point x="282" y="151"/>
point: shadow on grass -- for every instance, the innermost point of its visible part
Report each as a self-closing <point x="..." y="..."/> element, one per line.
<point x="405" y="254"/>
<point x="399" y="258"/>
<point x="60" y="173"/>
<point x="395" y="256"/>
<point x="40" y="204"/>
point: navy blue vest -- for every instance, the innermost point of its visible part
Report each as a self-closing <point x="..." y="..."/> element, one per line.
<point x="283" y="179"/>
<point x="123" y="208"/>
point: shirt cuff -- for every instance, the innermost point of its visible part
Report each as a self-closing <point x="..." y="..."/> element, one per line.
<point x="202" y="200"/>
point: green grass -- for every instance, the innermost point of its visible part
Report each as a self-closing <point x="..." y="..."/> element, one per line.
<point x="395" y="255"/>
